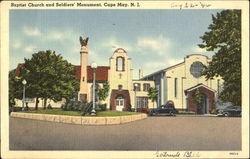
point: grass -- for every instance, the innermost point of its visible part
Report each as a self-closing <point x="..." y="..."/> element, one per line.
<point x="115" y="113"/>
<point x="55" y="112"/>
<point x="76" y="113"/>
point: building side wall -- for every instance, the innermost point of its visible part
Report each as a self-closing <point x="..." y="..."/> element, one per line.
<point x="142" y="93"/>
<point x="186" y="80"/>
<point x="178" y="74"/>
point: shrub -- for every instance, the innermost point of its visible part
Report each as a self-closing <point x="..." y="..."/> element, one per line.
<point x="73" y="106"/>
<point x="101" y="107"/>
<point x="213" y="109"/>
<point x="64" y="107"/>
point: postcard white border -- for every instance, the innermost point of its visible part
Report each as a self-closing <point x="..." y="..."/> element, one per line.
<point x="5" y="7"/>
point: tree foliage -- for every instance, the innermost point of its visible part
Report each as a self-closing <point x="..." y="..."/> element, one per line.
<point x="15" y="88"/>
<point x="224" y="38"/>
<point x="153" y="94"/>
<point x="197" y="96"/>
<point x="49" y="76"/>
<point x="103" y="93"/>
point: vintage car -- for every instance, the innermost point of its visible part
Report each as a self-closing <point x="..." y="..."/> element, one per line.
<point x="229" y="111"/>
<point x="167" y="109"/>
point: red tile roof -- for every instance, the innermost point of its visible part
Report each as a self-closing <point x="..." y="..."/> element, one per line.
<point x="101" y="73"/>
<point x="78" y="71"/>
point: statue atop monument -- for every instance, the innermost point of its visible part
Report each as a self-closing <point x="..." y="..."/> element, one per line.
<point x="84" y="42"/>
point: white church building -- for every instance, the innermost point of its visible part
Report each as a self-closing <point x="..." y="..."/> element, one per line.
<point x="179" y="82"/>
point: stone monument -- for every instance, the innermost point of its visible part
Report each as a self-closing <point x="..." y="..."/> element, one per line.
<point x="83" y="93"/>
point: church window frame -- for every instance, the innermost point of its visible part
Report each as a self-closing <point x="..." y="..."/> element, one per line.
<point x="175" y="87"/>
<point x="146" y="87"/>
<point x="120" y="64"/>
<point x="119" y="87"/>
<point x="196" y="69"/>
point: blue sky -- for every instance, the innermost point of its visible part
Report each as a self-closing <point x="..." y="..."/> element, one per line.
<point x="154" y="39"/>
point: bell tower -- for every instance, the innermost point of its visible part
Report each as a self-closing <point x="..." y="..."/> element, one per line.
<point x="84" y="61"/>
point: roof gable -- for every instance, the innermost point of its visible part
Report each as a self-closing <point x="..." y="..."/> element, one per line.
<point x="174" y="66"/>
<point x="198" y="86"/>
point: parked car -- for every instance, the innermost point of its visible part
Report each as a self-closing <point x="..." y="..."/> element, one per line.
<point x="167" y="109"/>
<point x="229" y="111"/>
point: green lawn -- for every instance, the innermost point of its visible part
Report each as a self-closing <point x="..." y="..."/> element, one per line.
<point x="76" y="113"/>
<point x="115" y="113"/>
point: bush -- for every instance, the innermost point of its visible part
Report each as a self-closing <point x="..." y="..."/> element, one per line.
<point x="101" y="107"/>
<point x="213" y="109"/>
<point x="15" y="109"/>
<point x="63" y="107"/>
<point x="73" y="106"/>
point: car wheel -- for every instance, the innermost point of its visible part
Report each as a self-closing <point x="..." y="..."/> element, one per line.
<point x="226" y="114"/>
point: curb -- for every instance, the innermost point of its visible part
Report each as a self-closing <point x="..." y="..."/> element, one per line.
<point x="80" y="120"/>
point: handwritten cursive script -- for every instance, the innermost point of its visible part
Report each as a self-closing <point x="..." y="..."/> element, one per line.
<point x="190" y="5"/>
<point x="167" y="154"/>
<point x="185" y="154"/>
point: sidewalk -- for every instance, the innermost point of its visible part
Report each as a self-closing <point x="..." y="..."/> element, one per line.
<point x="197" y="115"/>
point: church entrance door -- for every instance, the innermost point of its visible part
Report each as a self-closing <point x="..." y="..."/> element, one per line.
<point x="202" y="107"/>
<point x="120" y="102"/>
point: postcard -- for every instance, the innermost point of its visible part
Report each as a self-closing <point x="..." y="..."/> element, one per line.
<point x="124" y="79"/>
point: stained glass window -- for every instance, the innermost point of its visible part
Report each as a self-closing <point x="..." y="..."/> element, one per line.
<point x="196" y="69"/>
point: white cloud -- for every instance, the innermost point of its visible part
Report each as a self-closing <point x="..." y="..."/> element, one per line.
<point x="197" y="49"/>
<point x="95" y="57"/>
<point x="172" y="61"/>
<point x="56" y="36"/>
<point x="66" y="36"/>
<point x="113" y="44"/>
<point x="31" y="31"/>
<point x="16" y="45"/>
<point x="30" y="49"/>
<point x="154" y="64"/>
<point x="158" y="44"/>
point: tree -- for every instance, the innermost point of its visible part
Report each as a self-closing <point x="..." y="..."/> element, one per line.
<point x="49" y="76"/>
<point x="15" y="88"/>
<point x="103" y="92"/>
<point x="153" y="94"/>
<point x="224" y="38"/>
<point x="197" y="97"/>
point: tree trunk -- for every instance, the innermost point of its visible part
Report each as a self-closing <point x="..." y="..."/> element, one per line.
<point x="37" y="101"/>
<point x="45" y="103"/>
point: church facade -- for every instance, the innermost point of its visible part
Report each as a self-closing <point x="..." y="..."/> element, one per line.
<point x="180" y="82"/>
<point x="125" y="93"/>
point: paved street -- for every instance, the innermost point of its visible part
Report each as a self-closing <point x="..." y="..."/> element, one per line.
<point x="153" y="133"/>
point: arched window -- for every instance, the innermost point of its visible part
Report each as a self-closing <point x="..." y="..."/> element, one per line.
<point x="120" y="64"/>
<point x="119" y="87"/>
